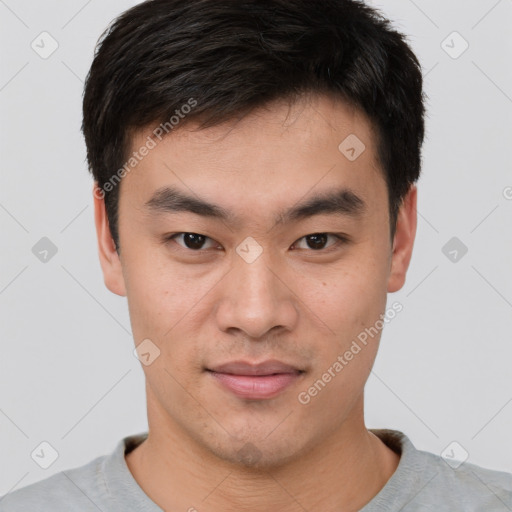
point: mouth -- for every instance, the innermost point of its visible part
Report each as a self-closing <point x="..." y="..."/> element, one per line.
<point x="255" y="381"/>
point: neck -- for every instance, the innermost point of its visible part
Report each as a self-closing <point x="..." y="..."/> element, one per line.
<point x="344" y="472"/>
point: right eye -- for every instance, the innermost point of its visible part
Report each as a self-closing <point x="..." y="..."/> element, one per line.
<point x="191" y="241"/>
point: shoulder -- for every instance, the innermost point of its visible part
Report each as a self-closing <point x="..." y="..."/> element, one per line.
<point x="468" y="486"/>
<point x="75" y="489"/>
<point x="430" y="482"/>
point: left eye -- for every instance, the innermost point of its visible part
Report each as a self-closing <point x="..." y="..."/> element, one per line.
<point x="316" y="241"/>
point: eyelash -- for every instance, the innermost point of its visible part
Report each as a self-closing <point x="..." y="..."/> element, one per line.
<point x="341" y="240"/>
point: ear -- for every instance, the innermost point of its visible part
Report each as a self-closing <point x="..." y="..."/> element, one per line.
<point x="404" y="240"/>
<point x="109" y="259"/>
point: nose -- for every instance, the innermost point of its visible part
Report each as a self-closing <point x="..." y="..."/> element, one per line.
<point x="256" y="297"/>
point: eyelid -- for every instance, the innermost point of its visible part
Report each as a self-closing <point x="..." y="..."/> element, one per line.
<point x="171" y="237"/>
<point x="342" y="239"/>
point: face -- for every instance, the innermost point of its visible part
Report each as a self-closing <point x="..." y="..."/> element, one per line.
<point x="289" y="260"/>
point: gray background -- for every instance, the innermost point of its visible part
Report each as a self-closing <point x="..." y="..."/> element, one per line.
<point x="68" y="375"/>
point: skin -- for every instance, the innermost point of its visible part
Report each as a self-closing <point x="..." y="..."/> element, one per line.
<point x="294" y="303"/>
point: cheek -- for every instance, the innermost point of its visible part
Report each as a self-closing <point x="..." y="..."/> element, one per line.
<point x="351" y="305"/>
<point x="153" y="303"/>
<point x="352" y="297"/>
<point x="159" y="293"/>
<point x="167" y="306"/>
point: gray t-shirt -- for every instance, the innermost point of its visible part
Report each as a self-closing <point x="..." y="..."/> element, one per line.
<point x="422" y="482"/>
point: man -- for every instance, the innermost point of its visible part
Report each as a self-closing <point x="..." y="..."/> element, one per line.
<point x="254" y="167"/>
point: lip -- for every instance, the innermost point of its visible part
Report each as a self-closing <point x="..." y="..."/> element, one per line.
<point x="255" y="381"/>
<point x="267" y="367"/>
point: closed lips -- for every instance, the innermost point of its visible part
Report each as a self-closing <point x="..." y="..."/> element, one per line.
<point x="269" y="367"/>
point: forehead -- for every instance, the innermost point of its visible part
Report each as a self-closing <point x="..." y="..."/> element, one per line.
<point x="260" y="165"/>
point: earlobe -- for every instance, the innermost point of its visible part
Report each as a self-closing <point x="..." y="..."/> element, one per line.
<point x="109" y="258"/>
<point x="403" y="241"/>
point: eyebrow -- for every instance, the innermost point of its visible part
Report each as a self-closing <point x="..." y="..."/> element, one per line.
<point x="343" y="201"/>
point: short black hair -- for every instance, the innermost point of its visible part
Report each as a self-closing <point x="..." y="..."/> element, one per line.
<point x="228" y="57"/>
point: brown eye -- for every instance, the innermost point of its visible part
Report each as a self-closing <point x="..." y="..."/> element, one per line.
<point x="192" y="241"/>
<point x="318" y="241"/>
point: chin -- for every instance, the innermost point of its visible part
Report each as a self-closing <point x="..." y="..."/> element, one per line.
<point x="265" y="455"/>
